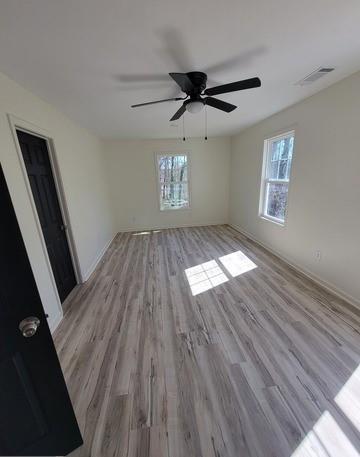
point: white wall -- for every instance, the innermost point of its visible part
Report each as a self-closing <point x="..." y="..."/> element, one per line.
<point x="82" y="168"/>
<point x="118" y="178"/>
<point x="132" y="175"/>
<point x="324" y="196"/>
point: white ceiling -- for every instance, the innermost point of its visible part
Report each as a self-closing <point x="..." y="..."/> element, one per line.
<point x="92" y="59"/>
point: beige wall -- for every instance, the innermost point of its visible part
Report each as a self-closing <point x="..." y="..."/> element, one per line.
<point x="324" y="196"/>
<point x="82" y="169"/>
<point x="132" y="175"/>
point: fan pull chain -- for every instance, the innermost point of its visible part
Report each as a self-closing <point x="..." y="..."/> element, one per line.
<point x="206" y="122"/>
<point x="183" y="122"/>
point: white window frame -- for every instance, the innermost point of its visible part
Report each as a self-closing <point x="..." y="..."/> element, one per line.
<point x="265" y="180"/>
<point x="172" y="154"/>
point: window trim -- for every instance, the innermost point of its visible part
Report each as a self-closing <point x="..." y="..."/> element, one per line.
<point x="158" y="185"/>
<point x="265" y="181"/>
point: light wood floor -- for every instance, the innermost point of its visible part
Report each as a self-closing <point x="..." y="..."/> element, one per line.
<point x="260" y="365"/>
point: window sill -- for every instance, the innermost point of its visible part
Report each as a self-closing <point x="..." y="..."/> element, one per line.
<point x="174" y="209"/>
<point x="274" y="221"/>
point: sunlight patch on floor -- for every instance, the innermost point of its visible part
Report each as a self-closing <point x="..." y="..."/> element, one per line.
<point x="326" y="439"/>
<point x="146" y="232"/>
<point x="204" y="277"/>
<point x="237" y="263"/>
<point x="348" y="398"/>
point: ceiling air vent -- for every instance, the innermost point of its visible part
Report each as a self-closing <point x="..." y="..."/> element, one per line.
<point x="315" y="75"/>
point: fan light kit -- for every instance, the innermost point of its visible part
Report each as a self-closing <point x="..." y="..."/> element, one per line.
<point x="194" y="107"/>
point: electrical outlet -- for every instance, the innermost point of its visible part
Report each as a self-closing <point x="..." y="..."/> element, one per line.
<point x="318" y="256"/>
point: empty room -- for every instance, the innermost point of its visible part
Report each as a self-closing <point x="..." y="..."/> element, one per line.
<point x="180" y="228"/>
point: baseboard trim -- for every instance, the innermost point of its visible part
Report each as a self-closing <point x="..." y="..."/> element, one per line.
<point x="325" y="284"/>
<point x="89" y="272"/>
<point x="144" y="229"/>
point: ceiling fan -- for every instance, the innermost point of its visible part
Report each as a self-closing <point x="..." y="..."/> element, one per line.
<point x="193" y="84"/>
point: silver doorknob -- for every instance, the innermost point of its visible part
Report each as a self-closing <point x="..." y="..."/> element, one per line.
<point x="29" y="326"/>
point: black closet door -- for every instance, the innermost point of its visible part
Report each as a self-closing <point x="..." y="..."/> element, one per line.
<point x="36" y="157"/>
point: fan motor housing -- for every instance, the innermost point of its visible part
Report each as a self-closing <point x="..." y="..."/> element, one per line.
<point x="198" y="78"/>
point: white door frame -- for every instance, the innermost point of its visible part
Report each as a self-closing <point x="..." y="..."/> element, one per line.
<point x="17" y="123"/>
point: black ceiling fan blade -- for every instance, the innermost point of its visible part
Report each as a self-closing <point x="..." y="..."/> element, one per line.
<point x="178" y="113"/>
<point x="219" y="104"/>
<point x="158" y="101"/>
<point x="232" y="87"/>
<point x="183" y="80"/>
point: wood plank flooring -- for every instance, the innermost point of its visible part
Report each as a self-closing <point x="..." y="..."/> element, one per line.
<point x="261" y="362"/>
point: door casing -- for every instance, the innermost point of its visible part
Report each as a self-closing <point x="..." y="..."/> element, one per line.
<point x="25" y="126"/>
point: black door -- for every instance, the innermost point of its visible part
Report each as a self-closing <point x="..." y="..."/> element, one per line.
<point x="36" y="415"/>
<point x="36" y="158"/>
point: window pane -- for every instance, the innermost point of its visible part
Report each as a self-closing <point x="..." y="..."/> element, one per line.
<point x="173" y="168"/>
<point x="275" y="150"/>
<point x="276" y="200"/>
<point x="174" y="196"/>
<point x="288" y="169"/>
<point x="282" y="169"/>
<point x="273" y="173"/>
<point x="280" y="158"/>
<point x="288" y="144"/>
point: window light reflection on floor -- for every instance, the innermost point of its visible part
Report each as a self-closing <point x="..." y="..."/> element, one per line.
<point x="348" y="398"/>
<point x="146" y="232"/>
<point x="326" y="439"/>
<point x="204" y="277"/>
<point x="237" y="263"/>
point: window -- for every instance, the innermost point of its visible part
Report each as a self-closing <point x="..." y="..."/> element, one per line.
<point x="173" y="181"/>
<point x="278" y="152"/>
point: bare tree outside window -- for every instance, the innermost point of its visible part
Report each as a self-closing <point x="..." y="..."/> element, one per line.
<point x="278" y="153"/>
<point x="173" y="181"/>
